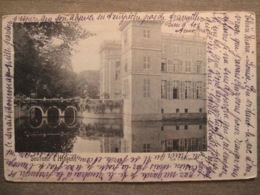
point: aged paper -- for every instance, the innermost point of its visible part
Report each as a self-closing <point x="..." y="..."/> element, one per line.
<point x="129" y="97"/>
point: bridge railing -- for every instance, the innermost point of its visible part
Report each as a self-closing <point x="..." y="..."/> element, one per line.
<point x="101" y="105"/>
<point x="89" y="105"/>
<point x="45" y="103"/>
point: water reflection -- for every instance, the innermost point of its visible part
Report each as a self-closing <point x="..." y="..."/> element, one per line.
<point x="71" y="134"/>
<point x="53" y="116"/>
<point x="35" y="117"/>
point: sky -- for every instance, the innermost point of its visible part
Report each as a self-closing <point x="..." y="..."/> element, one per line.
<point x="87" y="57"/>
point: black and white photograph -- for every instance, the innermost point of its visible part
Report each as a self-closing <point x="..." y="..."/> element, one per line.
<point x="129" y="97"/>
<point x="108" y="87"/>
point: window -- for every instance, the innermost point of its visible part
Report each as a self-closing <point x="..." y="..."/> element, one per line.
<point x="169" y="90"/>
<point x="117" y="74"/>
<point x="187" y="89"/>
<point x="177" y="110"/>
<point x="170" y="66"/>
<point x="146" y="89"/>
<point x="117" y="64"/>
<point x="186" y="110"/>
<point x="126" y="89"/>
<point x="181" y="144"/>
<point x="175" y="93"/>
<point x="200" y="109"/>
<point x="185" y="127"/>
<point x="162" y="110"/>
<point x="188" y="50"/>
<point x="200" y="126"/>
<point x="169" y="145"/>
<point x="175" y="48"/>
<point x="162" y="128"/>
<point x="198" y="66"/>
<point x="164" y="65"/>
<point x="180" y="66"/>
<point x="146" y="62"/>
<point x="173" y="65"/>
<point x="177" y="127"/>
<point x="193" y="144"/>
<point x="163" y="89"/>
<point x="117" y="70"/>
<point x="146" y="33"/>
<point x="187" y="66"/>
<point x="175" y="89"/>
<point x="146" y="147"/>
<point x="164" y="48"/>
<point x="175" y="144"/>
<point x="199" y="90"/>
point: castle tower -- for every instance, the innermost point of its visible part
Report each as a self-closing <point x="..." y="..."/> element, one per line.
<point x="110" y="70"/>
<point x="141" y="69"/>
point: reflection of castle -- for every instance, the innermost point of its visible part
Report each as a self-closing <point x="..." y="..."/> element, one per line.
<point x="112" y="144"/>
<point x="158" y="75"/>
<point x="158" y="137"/>
<point x="161" y="136"/>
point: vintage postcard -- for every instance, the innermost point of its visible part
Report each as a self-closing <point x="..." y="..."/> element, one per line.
<point x="129" y="97"/>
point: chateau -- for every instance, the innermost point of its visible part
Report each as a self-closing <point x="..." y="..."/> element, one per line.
<point x="159" y="76"/>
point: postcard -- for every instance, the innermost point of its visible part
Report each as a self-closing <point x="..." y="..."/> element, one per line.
<point x="129" y="97"/>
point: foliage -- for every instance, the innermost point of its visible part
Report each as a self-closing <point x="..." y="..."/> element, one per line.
<point x="88" y="84"/>
<point x="42" y="59"/>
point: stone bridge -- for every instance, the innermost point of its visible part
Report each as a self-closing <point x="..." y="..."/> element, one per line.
<point x="72" y="107"/>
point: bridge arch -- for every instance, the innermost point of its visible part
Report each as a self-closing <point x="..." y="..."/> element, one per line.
<point x="34" y="110"/>
<point x="37" y="126"/>
<point x="72" y="125"/>
<point x="53" y="115"/>
<point x="36" y="115"/>
<point x="70" y="116"/>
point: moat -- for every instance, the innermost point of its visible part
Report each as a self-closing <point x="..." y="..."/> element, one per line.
<point x="108" y="135"/>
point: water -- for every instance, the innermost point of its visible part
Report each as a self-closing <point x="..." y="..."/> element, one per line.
<point x="79" y="135"/>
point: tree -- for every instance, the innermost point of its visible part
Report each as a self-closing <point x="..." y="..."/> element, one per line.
<point x="42" y="58"/>
<point x="88" y="84"/>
